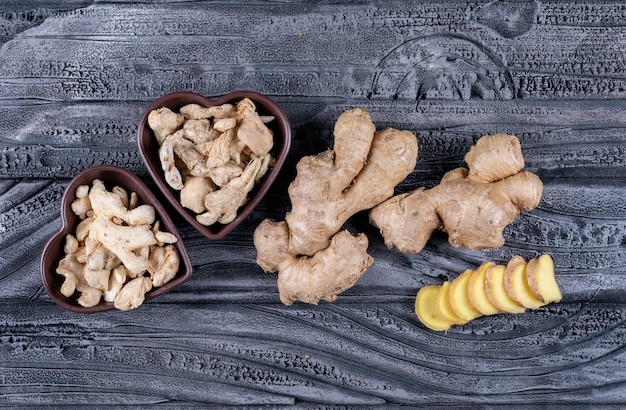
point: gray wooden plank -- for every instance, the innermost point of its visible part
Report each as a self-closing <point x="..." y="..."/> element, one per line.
<point x="75" y="77"/>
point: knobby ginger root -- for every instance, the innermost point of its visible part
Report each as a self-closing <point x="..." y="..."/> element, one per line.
<point x="313" y="261"/>
<point x="311" y="279"/>
<point x="360" y="172"/>
<point x="472" y="205"/>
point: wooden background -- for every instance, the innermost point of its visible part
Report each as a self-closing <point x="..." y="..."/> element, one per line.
<point x="75" y="77"/>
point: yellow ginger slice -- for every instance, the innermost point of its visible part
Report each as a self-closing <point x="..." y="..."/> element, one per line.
<point x="443" y="305"/>
<point x="496" y="292"/>
<point x="477" y="290"/>
<point x="517" y="286"/>
<point x="459" y="297"/>
<point x="541" y="279"/>
<point x="426" y="310"/>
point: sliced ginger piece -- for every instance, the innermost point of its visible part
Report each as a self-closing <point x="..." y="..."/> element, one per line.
<point x="541" y="279"/>
<point x="477" y="291"/>
<point x="488" y="290"/>
<point x="426" y="309"/>
<point x="496" y="292"/>
<point x="442" y="303"/>
<point x="516" y="284"/>
<point x="459" y="297"/>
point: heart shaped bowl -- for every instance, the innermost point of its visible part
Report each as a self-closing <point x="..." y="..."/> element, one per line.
<point x="53" y="251"/>
<point x="149" y="149"/>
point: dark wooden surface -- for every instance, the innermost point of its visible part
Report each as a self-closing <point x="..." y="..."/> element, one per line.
<point x="75" y="77"/>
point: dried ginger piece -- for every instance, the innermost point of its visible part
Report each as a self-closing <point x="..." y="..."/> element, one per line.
<point x="164" y="122"/>
<point x="133" y="293"/>
<point x="222" y="204"/>
<point x="164" y="261"/>
<point x="218" y="144"/>
<point x="73" y="271"/>
<point x="252" y="131"/>
<point x="81" y="206"/>
<point x="199" y="131"/>
<point x="194" y="191"/>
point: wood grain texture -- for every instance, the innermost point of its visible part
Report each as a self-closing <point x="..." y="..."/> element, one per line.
<point x="75" y="77"/>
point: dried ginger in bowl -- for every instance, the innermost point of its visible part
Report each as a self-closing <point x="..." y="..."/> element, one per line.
<point x="213" y="155"/>
<point x="118" y="252"/>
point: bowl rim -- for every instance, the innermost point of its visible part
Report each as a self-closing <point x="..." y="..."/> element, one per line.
<point x="267" y="104"/>
<point x="58" y="238"/>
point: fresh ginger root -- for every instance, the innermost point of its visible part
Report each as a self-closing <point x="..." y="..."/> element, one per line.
<point x="314" y="262"/>
<point x="311" y="279"/>
<point x="360" y="172"/>
<point x="472" y="205"/>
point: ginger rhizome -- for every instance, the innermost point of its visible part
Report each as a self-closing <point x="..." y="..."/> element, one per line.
<point x="320" y="277"/>
<point x="473" y="206"/>
<point x="314" y="262"/>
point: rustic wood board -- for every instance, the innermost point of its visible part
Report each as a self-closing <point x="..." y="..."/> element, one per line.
<point x="75" y="77"/>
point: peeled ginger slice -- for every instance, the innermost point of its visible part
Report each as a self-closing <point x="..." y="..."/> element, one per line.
<point x="443" y="305"/>
<point x="489" y="290"/>
<point x="459" y="297"/>
<point x="477" y="290"/>
<point x="426" y="310"/>
<point x="496" y="292"/>
<point x="541" y="279"/>
<point x="517" y="286"/>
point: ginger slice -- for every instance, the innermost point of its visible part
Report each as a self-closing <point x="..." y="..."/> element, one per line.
<point x="426" y="310"/>
<point x="460" y="299"/>
<point x="516" y="284"/>
<point x="477" y="291"/>
<point x="442" y="304"/>
<point x="491" y="289"/>
<point x="496" y="292"/>
<point x="541" y="279"/>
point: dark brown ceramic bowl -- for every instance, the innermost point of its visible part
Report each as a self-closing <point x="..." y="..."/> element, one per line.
<point x="53" y="251"/>
<point x="149" y="149"/>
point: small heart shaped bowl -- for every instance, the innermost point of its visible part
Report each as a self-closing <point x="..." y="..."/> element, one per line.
<point x="149" y="149"/>
<point x="53" y="251"/>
